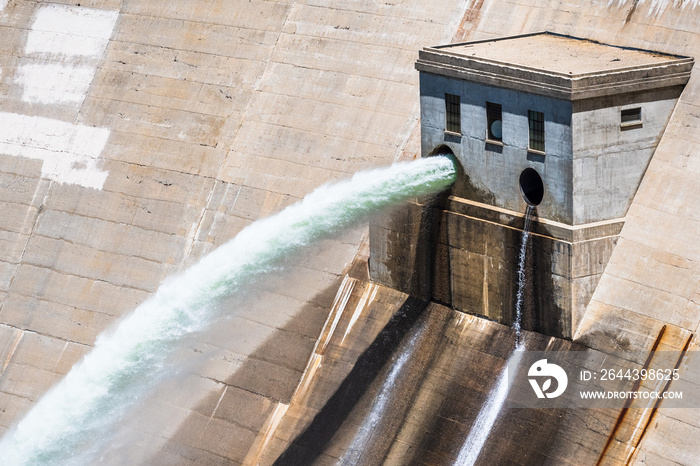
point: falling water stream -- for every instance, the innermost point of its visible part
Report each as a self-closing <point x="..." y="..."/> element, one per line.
<point x="368" y="430"/>
<point x="128" y="360"/>
<point x="520" y="296"/>
<point x="479" y="433"/>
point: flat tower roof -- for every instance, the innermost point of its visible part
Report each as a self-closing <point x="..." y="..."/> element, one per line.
<point x="557" y="65"/>
<point x="560" y="54"/>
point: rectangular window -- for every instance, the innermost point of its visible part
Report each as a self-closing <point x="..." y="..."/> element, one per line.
<point x="493" y="122"/>
<point x="453" y="121"/>
<point x="536" y="122"/>
<point x="631" y="116"/>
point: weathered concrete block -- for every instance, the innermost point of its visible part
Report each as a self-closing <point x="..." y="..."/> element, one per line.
<point x="467" y="273"/>
<point x="50" y="318"/>
<point x="562" y="267"/>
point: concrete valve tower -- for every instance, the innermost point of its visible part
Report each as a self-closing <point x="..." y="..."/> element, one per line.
<point x="563" y="124"/>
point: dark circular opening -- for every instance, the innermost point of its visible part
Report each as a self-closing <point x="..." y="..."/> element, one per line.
<point x="444" y="151"/>
<point x="531" y="186"/>
<point x="441" y="150"/>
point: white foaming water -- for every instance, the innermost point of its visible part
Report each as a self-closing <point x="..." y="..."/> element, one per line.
<point x="360" y="442"/>
<point x="520" y="296"/>
<point x="479" y="433"/>
<point x="127" y="361"/>
<point x="472" y="446"/>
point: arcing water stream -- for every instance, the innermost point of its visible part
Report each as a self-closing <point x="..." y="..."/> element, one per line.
<point x="485" y="420"/>
<point x="127" y="361"/>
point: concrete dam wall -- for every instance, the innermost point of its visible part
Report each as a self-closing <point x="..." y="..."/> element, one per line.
<point x="136" y="137"/>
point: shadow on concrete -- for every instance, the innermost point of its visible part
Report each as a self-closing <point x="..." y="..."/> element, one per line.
<point x="430" y="275"/>
<point x="315" y="438"/>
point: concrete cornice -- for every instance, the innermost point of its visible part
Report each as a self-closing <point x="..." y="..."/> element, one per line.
<point x="539" y="226"/>
<point x="441" y="60"/>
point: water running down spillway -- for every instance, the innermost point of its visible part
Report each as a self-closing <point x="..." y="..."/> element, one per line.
<point x="128" y="360"/>
<point x="368" y="431"/>
<point x="485" y="420"/>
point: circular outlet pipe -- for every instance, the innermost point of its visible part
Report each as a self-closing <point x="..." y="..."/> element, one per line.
<point x="445" y="151"/>
<point x="531" y="186"/>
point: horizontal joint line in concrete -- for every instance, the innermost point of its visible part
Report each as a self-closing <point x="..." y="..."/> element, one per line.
<point x="76" y="243"/>
<point x="370" y="44"/>
<point x="110" y="60"/>
<point x="330" y="133"/>
<point x="368" y="109"/>
<point x="174" y="109"/>
<point x="238" y="387"/>
<point x="137" y="227"/>
<point x="112" y="66"/>
<point x="43" y="300"/>
<point x="183" y="110"/>
<point x="537" y="219"/>
<point x="205" y="23"/>
<point x="380" y="15"/>
<point x="645" y="204"/>
<point x="18" y="396"/>
<point x="95" y="279"/>
<point x="165" y="169"/>
<point x="146" y="44"/>
<point x="387" y="79"/>
<point x="660" y="290"/>
<point x="55" y="337"/>
<point x="195" y="144"/>
<point x="532" y="233"/>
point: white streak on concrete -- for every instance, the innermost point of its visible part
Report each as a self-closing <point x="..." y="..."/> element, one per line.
<point x="3" y="4"/>
<point x="341" y="300"/>
<point x="71" y="30"/>
<point x="657" y="7"/>
<point x="65" y="45"/>
<point x="62" y="52"/>
<point x="488" y="415"/>
<point x="70" y="152"/>
<point x="54" y="83"/>
<point x="371" y="290"/>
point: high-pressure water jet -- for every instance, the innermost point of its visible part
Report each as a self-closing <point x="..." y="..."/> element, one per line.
<point x="65" y="425"/>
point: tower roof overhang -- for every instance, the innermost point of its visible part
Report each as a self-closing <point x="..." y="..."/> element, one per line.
<point x="555" y="65"/>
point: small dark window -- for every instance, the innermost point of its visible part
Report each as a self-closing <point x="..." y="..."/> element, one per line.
<point x="631" y="116"/>
<point x="453" y="122"/>
<point x="536" y="122"/>
<point x="494" y="125"/>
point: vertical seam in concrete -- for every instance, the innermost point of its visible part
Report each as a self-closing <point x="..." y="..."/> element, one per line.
<point x="273" y="421"/>
<point x="655" y="409"/>
<point x="628" y="402"/>
<point x="46" y="186"/>
<point x="366" y="299"/>
<point x="196" y="227"/>
<point x="256" y="91"/>
<point x="223" y="393"/>
<point x="58" y="360"/>
<point x="18" y="338"/>
<point x="101" y="61"/>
